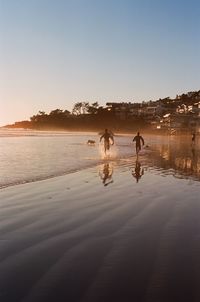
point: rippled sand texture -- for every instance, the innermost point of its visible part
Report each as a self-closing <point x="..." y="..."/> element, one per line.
<point x="85" y="237"/>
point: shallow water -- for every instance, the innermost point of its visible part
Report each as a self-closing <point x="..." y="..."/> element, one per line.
<point x="27" y="155"/>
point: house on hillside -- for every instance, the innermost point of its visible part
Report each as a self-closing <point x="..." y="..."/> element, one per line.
<point x="178" y="122"/>
<point x="196" y="108"/>
<point x="123" y="110"/>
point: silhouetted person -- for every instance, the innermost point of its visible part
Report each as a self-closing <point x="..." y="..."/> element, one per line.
<point x="193" y="138"/>
<point x="107" y="137"/>
<point x="138" y="171"/>
<point x="138" y="139"/>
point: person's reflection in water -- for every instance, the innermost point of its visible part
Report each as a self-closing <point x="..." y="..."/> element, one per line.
<point x="194" y="161"/>
<point x="193" y="153"/>
<point x="138" y="171"/>
<point x="193" y="139"/>
<point x="106" y="174"/>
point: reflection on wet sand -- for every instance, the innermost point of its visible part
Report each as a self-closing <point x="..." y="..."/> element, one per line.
<point x="175" y="158"/>
<point x="105" y="173"/>
<point x="182" y="160"/>
<point x="138" y="171"/>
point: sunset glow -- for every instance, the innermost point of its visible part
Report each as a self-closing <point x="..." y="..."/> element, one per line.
<point x="55" y="53"/>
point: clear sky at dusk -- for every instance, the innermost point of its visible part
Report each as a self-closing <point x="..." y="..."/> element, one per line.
<point x="54" y="53"/>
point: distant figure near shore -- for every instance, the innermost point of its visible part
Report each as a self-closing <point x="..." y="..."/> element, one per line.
<point x="193" y="139"/>
<point x="108" y="138"/>
<point x="138" y="139"/>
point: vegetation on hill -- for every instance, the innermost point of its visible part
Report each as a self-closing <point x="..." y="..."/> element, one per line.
<point x="118" y="116"/>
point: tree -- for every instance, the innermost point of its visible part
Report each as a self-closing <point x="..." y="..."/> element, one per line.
<point x="56" y="112"/>
<point x="41" y="112"/>
<point x="80" y="108"/>
<point x="93" y="108"/>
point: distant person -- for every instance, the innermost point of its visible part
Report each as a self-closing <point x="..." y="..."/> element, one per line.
<point x="108" y="138"/>
<point x="193" y="139"/>
<point x="138" y="139"/>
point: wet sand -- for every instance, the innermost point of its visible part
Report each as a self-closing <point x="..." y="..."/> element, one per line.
<point x="92" y="236"/>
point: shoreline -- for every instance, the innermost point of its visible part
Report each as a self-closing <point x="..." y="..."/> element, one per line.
<point x="160" y="132"/>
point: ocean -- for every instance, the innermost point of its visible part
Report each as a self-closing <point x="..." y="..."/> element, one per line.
<point x="28" y="155"/>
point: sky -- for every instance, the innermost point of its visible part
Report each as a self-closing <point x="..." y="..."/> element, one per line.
<point x="56" y="53"/>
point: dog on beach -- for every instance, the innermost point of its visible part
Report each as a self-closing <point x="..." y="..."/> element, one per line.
<point x="91" y="142"/>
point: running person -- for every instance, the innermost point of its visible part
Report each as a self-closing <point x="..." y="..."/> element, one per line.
<point x="107" y="136"/>
<point x="138" y="139"/>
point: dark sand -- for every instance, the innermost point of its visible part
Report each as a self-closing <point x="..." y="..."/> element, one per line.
<point x="74" y="238"/>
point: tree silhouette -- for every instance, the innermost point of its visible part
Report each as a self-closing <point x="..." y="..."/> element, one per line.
<point x="93" y="108"/>
<point x="80" y="108"/>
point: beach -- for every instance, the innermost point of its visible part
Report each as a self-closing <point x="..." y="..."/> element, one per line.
<point x="116" y="229"/>
<point x="99" y="151"/>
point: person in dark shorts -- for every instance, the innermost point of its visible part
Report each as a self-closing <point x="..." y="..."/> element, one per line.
<point x="107" y="137"/>
<point x="138" y="139"/>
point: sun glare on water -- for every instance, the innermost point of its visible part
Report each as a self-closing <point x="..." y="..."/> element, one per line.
<point x="111" y="154"/>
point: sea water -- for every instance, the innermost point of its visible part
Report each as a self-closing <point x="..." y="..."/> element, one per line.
<point x="28" y="155"/>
